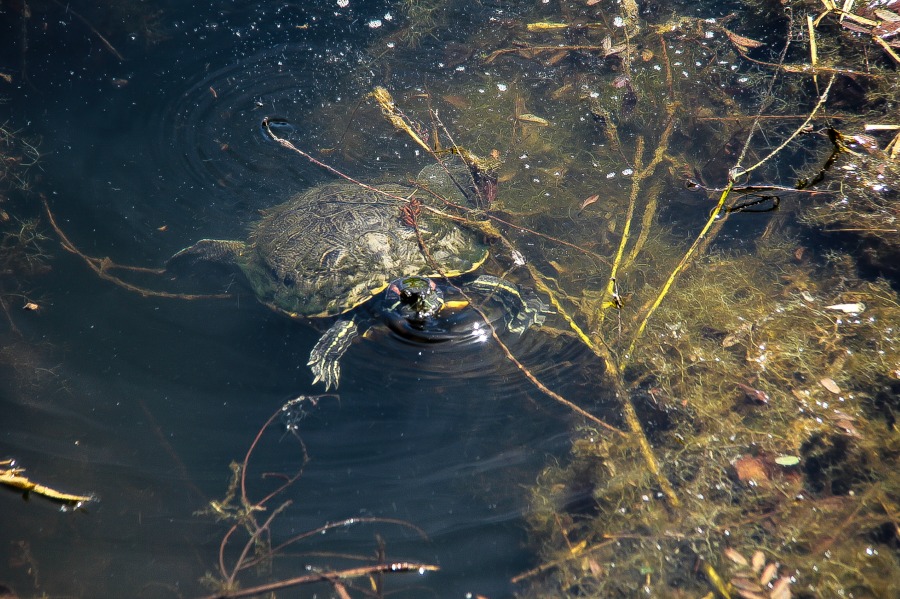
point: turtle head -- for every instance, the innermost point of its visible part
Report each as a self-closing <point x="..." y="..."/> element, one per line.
<point x="415" y="298"/>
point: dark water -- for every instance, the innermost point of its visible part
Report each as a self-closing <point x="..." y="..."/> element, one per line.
<point x="145" y="401"/>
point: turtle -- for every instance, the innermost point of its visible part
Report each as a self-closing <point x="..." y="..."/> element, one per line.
<point x="336" y="246"/>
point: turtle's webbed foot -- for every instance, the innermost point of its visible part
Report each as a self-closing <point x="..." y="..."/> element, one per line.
<point x="532" y="313"/>
<point x="525" y="308"/>
<point x="324" y="359"/>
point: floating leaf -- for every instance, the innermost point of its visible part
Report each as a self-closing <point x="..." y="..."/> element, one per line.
<point x="31" y="306"/>
<point x="787" y="460"/>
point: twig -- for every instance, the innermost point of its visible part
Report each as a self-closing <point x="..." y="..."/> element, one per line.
<point x="326" y="577"/>
<point x="105" y="41"/>
<point x="101" y="265"/>
<point x="607" y="51"/>
<point x="738" y="171"/>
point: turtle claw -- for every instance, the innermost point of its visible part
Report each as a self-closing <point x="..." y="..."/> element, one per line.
<point x="324" y="359"/>
<point x="219" y="251"/>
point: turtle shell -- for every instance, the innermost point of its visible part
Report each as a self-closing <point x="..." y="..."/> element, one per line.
<point x="335" y="246"/>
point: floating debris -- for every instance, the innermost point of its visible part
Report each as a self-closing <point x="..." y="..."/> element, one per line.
<point x="854" y="308"/>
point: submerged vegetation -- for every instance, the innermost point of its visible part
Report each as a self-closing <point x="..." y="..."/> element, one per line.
<point x="22" y="256"/>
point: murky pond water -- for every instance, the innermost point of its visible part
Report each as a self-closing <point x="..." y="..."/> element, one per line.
<point x="146" y="401"/>
<point x="663" y="423"/>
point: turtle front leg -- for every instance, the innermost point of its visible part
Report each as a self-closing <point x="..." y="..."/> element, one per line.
<point x="324" y="359"/>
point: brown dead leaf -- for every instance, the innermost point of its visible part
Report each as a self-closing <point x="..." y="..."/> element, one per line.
<point x="556" y="57"/>
<point x="745" y="584"/>
<point x="742" y="43"/>
<point x="866" y="142"/>
<point x="588" y="201"/>
<point x="830" y="385"/>
<point x="456" y="101"/>
<point x="750" y="470"/>
<point x="845" y="422"/>
<point x="736" y="557"/>
<point x="768" y="574"/>
<point x="886" y="15"/>
<point x="754" y="395"/>
<point x="758" y="561"/>
<point x="535" y="119"/>
<point x="162" y="228"/>
<point x="781" y="589"/>
<point x="737" y="335"/>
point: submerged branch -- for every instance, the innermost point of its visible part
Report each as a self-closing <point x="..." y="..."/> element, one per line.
<point x="102" y="266"/>
<point x="336" y="575"/>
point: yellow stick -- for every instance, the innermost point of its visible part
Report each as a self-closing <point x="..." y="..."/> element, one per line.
<point x="13" y="478"/>
<point x="393" y="114"/>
